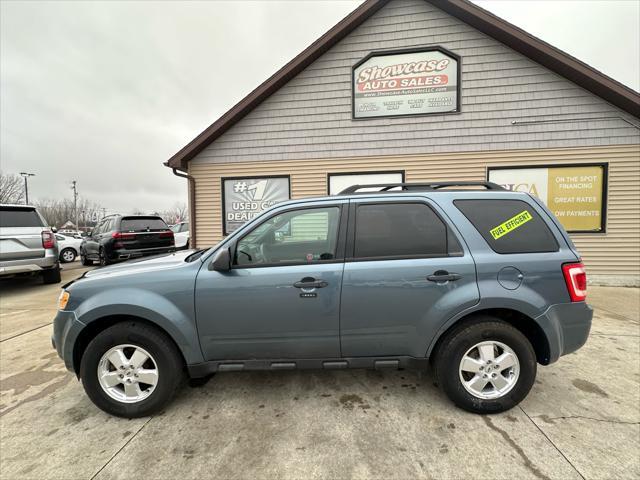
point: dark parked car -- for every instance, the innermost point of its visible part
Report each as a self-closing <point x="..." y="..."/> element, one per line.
<point x="483" y="284"/>
<point x="119" y="237"/>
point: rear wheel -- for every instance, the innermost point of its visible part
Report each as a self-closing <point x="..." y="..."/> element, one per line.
<point x="131" y="370"/>
<point x="68" y="255"/>
<point x="486" y="366"/>
<point x="52" y="275"/>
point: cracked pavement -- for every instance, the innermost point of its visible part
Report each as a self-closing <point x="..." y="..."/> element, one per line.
<point x="581" y="420"/>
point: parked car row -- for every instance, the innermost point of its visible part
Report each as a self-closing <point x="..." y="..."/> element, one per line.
<point x="28" y="246"/>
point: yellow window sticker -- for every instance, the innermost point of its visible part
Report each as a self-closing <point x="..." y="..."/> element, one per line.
<point x="511" y="224"/>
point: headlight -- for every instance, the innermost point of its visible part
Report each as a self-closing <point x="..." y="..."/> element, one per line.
<point x="63" y="299"/>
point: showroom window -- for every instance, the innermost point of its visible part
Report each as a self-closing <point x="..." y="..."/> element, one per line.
<point x="337" y="182"/>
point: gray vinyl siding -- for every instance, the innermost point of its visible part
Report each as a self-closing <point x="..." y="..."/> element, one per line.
<point x="310" y="117"/>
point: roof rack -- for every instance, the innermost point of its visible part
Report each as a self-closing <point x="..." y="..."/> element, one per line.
<point x="387" y="187"/>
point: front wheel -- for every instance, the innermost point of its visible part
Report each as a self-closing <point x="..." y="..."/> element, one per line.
<point x="84" y="260"/>
<point x="131" y="370"/>
<point x="486" y="366"/>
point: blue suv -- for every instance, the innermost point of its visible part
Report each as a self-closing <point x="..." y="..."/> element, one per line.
<point x="479" y="282"/>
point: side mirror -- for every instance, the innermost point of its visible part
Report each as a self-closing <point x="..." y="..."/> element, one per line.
<point x="222" y="262"/>
<point x="54" y="229"/>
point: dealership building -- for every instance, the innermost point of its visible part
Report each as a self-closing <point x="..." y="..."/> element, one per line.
<point x="430" y="90"/>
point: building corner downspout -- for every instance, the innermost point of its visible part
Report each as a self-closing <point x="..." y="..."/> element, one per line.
<point x="192" y="205"/>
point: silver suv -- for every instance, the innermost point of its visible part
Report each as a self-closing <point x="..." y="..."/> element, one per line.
<point x="27" y="244"/>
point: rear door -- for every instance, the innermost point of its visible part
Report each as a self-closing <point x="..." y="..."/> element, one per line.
<point x="406" y="273"/>
<point x="20" y="234"/>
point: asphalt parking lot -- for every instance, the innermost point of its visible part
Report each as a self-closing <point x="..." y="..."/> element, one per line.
<point x="581" y="420"/>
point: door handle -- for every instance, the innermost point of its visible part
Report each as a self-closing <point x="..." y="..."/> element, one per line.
<point x="310" y="282"/>
<point x="444" y="276"/>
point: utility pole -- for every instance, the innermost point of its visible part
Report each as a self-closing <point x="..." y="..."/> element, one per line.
<point x="75" y="201"/>
<point x="26" y="175"/>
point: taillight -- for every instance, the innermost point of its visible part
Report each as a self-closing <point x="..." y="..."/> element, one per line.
<point x="167" y="234"/>
<point x="123" y="236"/>
<point x="48" y="240"/>
<point x="576" y="280"/>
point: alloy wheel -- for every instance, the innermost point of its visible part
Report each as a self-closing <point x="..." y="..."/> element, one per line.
<point x="128" y="373"/>
<point x="489" y="370"/>
<point x="68" y="256"/>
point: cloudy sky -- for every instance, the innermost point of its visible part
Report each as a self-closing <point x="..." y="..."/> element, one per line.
<point x="104" y="92"/>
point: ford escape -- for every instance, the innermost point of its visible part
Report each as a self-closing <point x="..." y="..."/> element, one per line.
<point x="479" y="282"/>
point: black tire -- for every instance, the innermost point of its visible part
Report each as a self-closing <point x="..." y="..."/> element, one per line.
<point x="69" y="252"/>
<point x="455" y="345"/>
<point x="84" y="260"/>
<point x="162" y="349"/>
<point x="103" y="258"/>
<point x="52" y="275"/>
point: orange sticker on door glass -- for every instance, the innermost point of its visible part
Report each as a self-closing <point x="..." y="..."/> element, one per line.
<point x="574" y="195"/>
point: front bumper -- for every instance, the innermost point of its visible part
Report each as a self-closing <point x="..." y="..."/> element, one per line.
<point x="566" y="326"/>
<point x="66" y="328"/>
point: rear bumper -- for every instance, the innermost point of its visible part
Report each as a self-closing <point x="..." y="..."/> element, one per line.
<point x="125" y="254"/>
<point x="66" y="328"/>
<point x="29" y="265"/>
<point x="567" y="327"/>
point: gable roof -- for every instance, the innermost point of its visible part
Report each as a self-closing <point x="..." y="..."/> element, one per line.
<point x="517" y="39"/>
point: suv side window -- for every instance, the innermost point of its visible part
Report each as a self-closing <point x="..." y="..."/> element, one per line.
<point x="99" y="228"/>
<point x="301" y="236"/>
<point x="509" y="226"/>
<point x="399" y="230"/>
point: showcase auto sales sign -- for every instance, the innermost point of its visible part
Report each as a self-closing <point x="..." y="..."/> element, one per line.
<point x="408" y="83"/>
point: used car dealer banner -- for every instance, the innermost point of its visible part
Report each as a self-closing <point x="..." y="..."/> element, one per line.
<point x="246" y="198"/>
<point x="406" y="83"/>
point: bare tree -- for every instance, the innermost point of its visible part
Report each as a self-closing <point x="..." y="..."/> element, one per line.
<point x="178" y="213"/>
<point x="11" y="188"/>
<point x="57" y="212"/>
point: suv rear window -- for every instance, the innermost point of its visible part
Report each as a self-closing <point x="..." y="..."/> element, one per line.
<point x="399" y="230"/>
<point x="509" y="226"/>
<point x="142" y="224"/>
<point x="19" y="217"/>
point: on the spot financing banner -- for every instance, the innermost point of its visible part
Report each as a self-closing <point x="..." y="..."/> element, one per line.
<point x="573" y="193"/>
<point x="405" y="84"/>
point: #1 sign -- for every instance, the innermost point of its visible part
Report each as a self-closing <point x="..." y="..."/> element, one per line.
<point x="406" y="83"/>
<point x="246" y="198"/>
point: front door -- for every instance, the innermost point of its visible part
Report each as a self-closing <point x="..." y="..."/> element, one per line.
<point x="91" y="243"/>
<point x="281" y="298"/>
<point x="406" y="273"/>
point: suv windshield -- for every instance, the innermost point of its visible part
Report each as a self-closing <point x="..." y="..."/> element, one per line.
<point x="20" y="217"/>
<point x="142" y="224"/>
